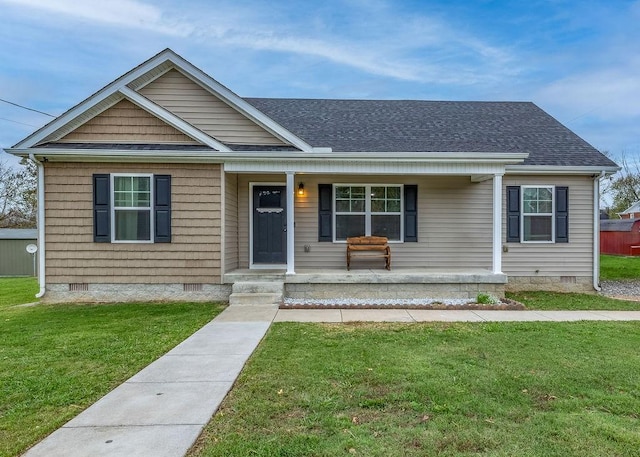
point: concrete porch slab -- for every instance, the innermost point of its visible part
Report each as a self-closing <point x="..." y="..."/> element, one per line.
<point x="132" y="441"/>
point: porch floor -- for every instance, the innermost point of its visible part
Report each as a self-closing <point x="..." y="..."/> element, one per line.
<point x="423" y="275"/>
<point x="364" y="283"/>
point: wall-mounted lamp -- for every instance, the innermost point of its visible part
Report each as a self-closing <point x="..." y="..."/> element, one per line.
<point x="301" y="189"/>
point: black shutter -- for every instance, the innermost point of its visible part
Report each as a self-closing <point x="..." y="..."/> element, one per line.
<point x="162" y="208"/>
<point x="325" y="214"/>
<point x="513" y="214"/>
<point x="562" y="214"/>
<point x="101" y="208"/>
<point x="411" y="213"/>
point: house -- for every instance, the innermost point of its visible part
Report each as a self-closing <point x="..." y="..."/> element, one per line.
<point x="632" y="212"/>
<point x="165" y="184"/>
<point x="620" y="237"/>
<point x="15" y="260"/>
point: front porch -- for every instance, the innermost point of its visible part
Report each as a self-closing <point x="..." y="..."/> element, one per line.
<point x="364" y="283"/>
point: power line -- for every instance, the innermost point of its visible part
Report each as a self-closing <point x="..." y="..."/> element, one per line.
<point x="16" y="122"/>
<point x="24" y="107"/>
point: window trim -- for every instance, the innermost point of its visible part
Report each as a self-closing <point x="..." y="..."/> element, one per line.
<point x="552" y="189"/>
<point x="367" y="210"/>
<point x="151" y="208"/>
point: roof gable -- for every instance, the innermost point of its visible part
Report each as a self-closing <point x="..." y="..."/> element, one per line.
<point x="125" y="87"/>
<point x="125" y="122"/>
<point x="205" y="111"/>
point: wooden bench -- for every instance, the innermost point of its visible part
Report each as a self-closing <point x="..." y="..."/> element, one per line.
<point x="368" y="246"/>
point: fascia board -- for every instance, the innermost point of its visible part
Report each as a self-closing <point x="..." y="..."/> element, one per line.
<point x="94" y="99"/>
<point x="269" y="156"/>
<point x="558" y="170"/>
<point x="172" y="119"/>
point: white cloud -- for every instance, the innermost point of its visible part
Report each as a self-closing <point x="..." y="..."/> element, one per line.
<point x="121" y="13"/>
<point x="381" y="42"/>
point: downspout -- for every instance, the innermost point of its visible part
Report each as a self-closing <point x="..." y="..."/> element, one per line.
<point x="40" y="221"/>
<point x="596" y="231"/>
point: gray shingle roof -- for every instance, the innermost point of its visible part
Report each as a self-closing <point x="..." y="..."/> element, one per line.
<point x="18" y="234"/>
<point x="432" y="126"/>
<point x="617" y="225"/>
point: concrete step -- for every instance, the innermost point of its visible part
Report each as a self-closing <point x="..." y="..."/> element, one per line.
<point x="262" y="287"/>
<point x="255" y="298"/>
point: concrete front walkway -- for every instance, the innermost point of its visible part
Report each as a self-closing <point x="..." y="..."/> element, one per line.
<point x="161" y="411"/>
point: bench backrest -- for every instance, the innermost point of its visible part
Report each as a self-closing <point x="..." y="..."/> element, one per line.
<point x="371" y="240"/>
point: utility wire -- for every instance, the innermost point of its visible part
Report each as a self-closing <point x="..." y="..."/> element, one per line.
<point x="24" y="107"/>
<point x="16" y="122"/>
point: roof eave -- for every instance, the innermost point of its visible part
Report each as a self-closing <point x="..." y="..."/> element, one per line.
<point x="561" y="169"/>
<point x="62" y="154"/>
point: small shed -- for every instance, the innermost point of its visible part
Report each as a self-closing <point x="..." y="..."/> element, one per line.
<point x="620" y="236"/>
<point x="14" y="258"/>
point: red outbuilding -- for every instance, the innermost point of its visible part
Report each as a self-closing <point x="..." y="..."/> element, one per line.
<point x="620" y="236"/>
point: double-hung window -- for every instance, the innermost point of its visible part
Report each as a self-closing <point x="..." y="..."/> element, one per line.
<point x="538" y="214"/>
<point x="368" y="209"/>
<point x="131" y="206"/>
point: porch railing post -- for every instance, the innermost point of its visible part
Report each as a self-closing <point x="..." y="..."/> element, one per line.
<point x="497" y="224"/>
<point x="290" y="223"/>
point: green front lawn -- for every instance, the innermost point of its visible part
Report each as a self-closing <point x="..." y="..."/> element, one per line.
<point x="573" y="301"/>
<point x="613" y="267"/>
<point x="16" y="291"/>
<point x="494" y="389"/>
<point x="55" y="360"/>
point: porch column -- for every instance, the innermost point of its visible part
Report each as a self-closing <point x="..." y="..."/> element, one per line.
<point x="290" y="223"/>
<point x="497" y="224"/>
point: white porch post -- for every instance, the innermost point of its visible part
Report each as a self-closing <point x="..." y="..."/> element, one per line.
<point x="290" y="223"/>
<point x="497" y="224"/>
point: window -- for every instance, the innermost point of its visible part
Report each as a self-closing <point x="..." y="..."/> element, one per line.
<point x="132" y="215"/>
<point x="131" y="208"/>
<point x="372" y="210"/>
<point x="537" y="214"/>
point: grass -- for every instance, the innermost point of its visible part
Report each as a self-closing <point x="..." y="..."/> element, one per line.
<point x="613" y="267"/>
<point x="55" y="360"/>
<point x="571" y="301"/>
<point x="492" y="389"/>
<point x="16" y="291"/>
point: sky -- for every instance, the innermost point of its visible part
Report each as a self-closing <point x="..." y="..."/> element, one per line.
<point x="579" y="60"/>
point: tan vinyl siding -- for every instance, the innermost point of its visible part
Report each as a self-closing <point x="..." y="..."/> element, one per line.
<point x="574" y="258"/>
<point x="231" y="222"/>
<point x="193" y="256"/>
<point x="188" y="100"/>
<point x="125" y="122"/>
<point x="455" y="222"/>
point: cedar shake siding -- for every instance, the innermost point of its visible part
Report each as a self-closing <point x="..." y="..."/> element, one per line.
<point x="125" y="122"/>
<point x="454" y="222"/>
<point x="189" y="101"/>
<point x="192" y="256"/>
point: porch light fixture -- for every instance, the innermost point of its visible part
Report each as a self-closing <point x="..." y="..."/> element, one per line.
<point x="301" y="189"/>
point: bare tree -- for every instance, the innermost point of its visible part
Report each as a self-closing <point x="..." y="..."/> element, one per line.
<point x="623" y="190"/>
<point x="18" y="195"/>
